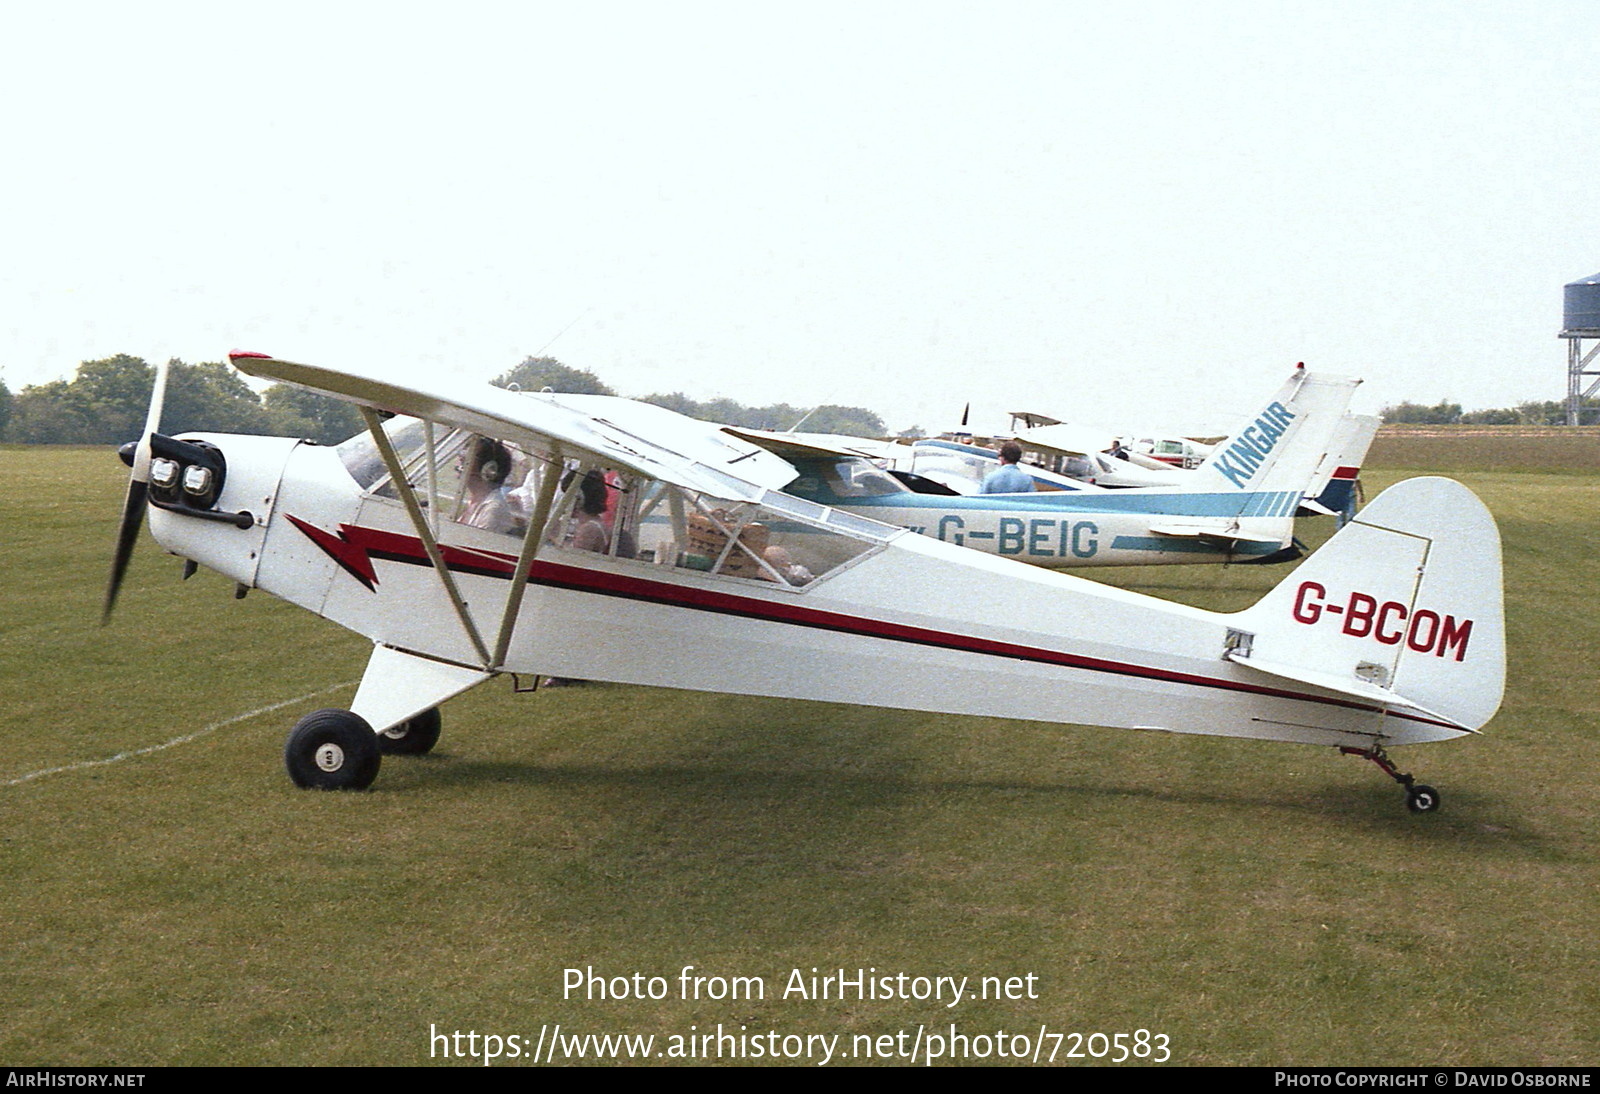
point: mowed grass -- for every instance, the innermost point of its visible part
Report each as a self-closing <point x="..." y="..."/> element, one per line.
<point x="1258" y="904"/>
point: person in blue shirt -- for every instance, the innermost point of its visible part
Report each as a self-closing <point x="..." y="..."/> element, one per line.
<point x="1008" y="478"/>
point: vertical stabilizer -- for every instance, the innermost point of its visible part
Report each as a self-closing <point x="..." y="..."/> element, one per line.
<point x="1284" y="443"/>
<point x="1404" y="606"/>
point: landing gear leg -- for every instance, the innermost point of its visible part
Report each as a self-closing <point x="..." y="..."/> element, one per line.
<point x="1419" y="798"/>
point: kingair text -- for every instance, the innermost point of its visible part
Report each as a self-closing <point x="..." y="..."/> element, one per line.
<point x="1250" y="449"/>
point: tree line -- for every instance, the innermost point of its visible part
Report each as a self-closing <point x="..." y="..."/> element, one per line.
<point x="106" y="400"/>
<point x="539" y="373"/>
<point x="1533" y="412"/>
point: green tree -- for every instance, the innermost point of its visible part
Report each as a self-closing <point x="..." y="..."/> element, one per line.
<point x="1498" y="416"/>
<point x="106" y="402"/>
<point x="852" y="421"/>
<point x="538" y="373"/>
<point x="295" y="412"/>
<point x="40" y="414"/>
<point x="1442" y="413"/>
<point x="210" y="396"/>
<point x="677" y="402"/>
<point x="5" y="408"/>
<point x="110" y="397"/>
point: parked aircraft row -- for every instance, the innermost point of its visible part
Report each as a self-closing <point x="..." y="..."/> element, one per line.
<point x="1293" y="456"/>
<point x="474" y="532"/>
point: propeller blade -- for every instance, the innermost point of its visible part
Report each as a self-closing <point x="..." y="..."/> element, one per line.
<point x="152" y="424"/>
<point x="127" y="534"/>
<point x="138" y="489"/>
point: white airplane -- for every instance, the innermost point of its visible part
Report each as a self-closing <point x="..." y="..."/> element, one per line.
<point x="1185" y="453"/>
<point x="1147" y="450"/>
<point x="1239" y="506"/>
<point x="1391" y="635"/>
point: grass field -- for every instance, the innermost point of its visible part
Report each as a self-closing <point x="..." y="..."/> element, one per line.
<point x="1257" y="904"/>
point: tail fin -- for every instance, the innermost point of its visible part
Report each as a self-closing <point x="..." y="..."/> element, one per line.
<point x="1333" y="487"/>
<point x="1283" y="445"/>
<point x="1404" y="607"/>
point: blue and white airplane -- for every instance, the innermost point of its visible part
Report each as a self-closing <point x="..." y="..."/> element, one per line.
<point x="1238" y="506"/>
<point x="1079" y="457"/>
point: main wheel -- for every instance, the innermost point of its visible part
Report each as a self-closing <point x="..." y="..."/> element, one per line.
<point x="1422" y="799"/>
<point x="332" y="750"/>
<point x="413" y="737"/>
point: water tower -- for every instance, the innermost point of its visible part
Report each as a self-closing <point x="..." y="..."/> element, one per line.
<point x="1580" y="322"/>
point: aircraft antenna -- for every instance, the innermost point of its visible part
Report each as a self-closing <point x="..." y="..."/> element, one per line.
<point x="563" y="330"/>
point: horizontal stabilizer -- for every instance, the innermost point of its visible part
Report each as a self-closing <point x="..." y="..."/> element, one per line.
<point x="1219" y="530"/>
<point x="1353" y="687"/>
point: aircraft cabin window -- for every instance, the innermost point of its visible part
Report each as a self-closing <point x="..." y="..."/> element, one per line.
<point x="789" y="543"/>
<point x="362" y="458"/>
<point x="495" y="485"/>
<point x="856" y="479"/>
<point x="467" y="478"/>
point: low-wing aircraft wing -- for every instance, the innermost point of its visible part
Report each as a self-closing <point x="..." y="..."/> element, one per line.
<point x="1225" y="530"/>
<point x="649" y="554"/>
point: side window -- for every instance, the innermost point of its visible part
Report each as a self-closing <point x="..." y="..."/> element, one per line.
<point x="481" y="487"/>
<point x="458" y="476"/>
<point x="608" y="512"/>
<point x="596" y="510"/>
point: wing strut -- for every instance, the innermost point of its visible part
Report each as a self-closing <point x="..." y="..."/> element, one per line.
<point x="397" y="475"/>
<point x="530" y="547"/>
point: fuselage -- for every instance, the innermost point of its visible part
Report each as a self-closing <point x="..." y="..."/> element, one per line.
<point x="880" y="617"/>
<point x="1060" y="529"/>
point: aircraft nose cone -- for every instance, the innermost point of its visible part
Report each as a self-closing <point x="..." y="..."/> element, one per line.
<point x="125" y="453"/>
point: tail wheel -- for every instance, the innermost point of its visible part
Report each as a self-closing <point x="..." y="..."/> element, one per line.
<point x="1422" y="799"/>
<point x="414" y="737"/>
<point x="332" y="750"/>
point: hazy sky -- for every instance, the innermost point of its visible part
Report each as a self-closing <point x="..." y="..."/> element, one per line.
<point x="1097" y="210"/>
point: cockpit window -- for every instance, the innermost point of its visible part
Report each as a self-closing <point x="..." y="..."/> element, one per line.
<point x="782" y="541"/>
<point x="859" y="479"/>
<point x="589" y="509"/>
<point x="362" y="458"/>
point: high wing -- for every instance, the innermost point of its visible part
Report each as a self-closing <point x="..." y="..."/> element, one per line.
<point x="1078" y="441"/>
<point x="1032" y="419"/>
<point x="1064" y="440"/>
<point x="647" y="439"/>
<point x="791" y="446"/>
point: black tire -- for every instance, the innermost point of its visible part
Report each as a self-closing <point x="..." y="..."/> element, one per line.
<point x="1422" y="799"/>
<point x="332" y="750"/>
<point x="414" y="737"/>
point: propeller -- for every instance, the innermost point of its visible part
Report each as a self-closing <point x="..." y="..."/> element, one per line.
<point x="138" y="488"/>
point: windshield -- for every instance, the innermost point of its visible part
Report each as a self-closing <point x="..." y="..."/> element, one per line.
<point x="362" y="458"/>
